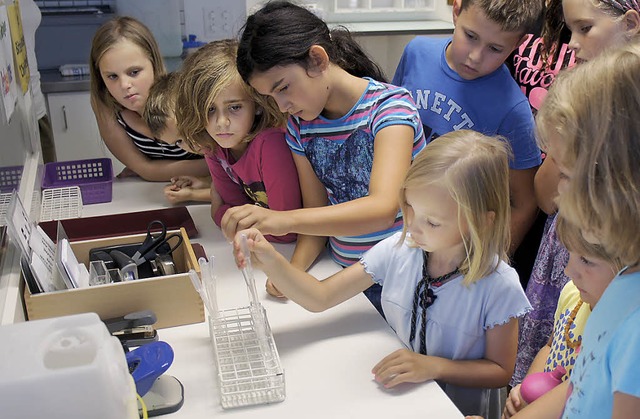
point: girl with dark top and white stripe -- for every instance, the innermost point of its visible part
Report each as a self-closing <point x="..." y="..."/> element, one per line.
<point x="447" y="290"/>
<point x="124" y="63"/>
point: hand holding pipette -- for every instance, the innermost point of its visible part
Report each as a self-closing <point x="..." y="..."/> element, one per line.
<point x="258" y="251"/>
<point x="294" y="283"/>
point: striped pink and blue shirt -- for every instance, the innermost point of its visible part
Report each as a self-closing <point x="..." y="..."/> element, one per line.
<point x="341" y="154"/>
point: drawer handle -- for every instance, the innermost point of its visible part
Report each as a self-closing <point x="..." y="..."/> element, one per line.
<point x="64" y="117"/>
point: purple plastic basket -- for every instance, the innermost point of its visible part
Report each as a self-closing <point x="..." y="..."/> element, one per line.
<point x="10" y="178"/>
<point x="93" y="176"/>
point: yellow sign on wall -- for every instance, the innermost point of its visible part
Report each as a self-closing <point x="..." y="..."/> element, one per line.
<point x="19" y="46"/>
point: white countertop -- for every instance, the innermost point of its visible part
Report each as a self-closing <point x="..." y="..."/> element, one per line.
<point x="327" y="357"/>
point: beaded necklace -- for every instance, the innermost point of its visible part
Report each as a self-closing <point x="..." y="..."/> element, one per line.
<point x="573" y="344"/>
<point x="424" y="298"/>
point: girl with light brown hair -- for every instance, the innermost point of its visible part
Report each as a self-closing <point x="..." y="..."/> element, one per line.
<point x="124" y="62"/>
<point x="240" y="133"/>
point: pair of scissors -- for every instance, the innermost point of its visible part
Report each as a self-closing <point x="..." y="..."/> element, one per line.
<point x="146" y="251"/>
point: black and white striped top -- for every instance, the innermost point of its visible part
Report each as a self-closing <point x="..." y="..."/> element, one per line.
<point x="153" y="148"/>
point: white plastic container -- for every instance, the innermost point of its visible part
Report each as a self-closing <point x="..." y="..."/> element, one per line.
<point x="246" y="357"/>
<point x="249" y="370"/>
<point x="65" y="367"/>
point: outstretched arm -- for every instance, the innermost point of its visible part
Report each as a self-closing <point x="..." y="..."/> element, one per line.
<point x="296" y="284"/>
<point x="122" y="147"/>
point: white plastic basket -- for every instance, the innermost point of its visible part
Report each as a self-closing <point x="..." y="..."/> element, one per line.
<point x="249" y="370"/>
<point x="61" y="203"/>
<point x="5" y="199"/>
<point x="246" y="357"/>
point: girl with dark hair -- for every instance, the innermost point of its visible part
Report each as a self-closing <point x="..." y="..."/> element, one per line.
<point x="353" y="137"/>
<point x="282" y="33"/>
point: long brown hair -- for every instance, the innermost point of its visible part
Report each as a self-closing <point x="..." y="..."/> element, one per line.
<point x="109" y="34"/>
<point x="204" y="75"/>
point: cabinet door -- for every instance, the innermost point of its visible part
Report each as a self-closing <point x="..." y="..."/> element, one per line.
<point x="75" y="131"/>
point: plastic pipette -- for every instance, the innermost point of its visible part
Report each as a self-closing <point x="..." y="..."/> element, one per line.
<point x="205" y="288"/>
<point x="255" y="306"/>
<point x="209" y="282"/>
<point x="198" y="286"/>
<point x="247" y="271"/>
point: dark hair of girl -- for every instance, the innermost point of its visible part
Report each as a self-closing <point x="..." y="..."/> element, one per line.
<point x="281" y="33"/>
<point x="554" y="31"/>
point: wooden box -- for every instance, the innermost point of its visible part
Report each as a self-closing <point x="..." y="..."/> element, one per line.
<point x="172" y="297"/>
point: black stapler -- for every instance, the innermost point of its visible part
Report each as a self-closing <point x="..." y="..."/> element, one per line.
<point x="134" y="329"/>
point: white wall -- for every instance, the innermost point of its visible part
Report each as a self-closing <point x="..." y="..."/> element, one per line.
<point x="386" y="50"/>
<point x="210" y="20"/>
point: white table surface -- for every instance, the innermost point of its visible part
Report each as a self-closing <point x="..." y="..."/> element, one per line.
<point x="327" y="357"/>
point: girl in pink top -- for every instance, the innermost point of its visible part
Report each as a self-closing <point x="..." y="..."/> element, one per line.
<point x="239" y="132"/>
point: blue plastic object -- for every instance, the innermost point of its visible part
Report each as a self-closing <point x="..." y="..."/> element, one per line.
<point x="191" y="43"/>
<point x="147" y="363"/>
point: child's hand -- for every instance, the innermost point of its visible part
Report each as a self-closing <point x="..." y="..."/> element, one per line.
<point x="192" y="181"/>
<point x="176" y="194"/>
<point x="262" y="252"/>
<point x="404" y="366"/>
<point x="272" y="290"/>
<point x="180" y="182"/>
<point x="254" y="216"/>
<point x="514" y="403"/>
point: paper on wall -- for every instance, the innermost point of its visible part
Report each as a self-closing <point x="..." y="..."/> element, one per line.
<point x="8" y="86"/>
<point x="19" y="47"/>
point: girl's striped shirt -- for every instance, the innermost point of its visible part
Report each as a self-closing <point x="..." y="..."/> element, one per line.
<point x="341" y="154"/>
<point x="153" y="148"/>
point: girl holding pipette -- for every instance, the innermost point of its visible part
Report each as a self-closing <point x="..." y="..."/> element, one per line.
<point x="447" y="290"/>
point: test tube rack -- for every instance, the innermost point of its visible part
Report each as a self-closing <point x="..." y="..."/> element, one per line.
<point x="249" y="370"/>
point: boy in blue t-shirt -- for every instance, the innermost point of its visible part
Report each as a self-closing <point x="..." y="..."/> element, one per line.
<point x="462" y="83"/>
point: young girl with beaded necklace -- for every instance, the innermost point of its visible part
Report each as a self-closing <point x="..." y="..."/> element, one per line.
<point x="447" y="290"/>
<point x="591" y="270"/>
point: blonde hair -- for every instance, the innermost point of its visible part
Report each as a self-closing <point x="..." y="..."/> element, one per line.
<point x="204" y="75"/>
<point x="474" y="168"/>
<point x="109" y="34"/>
<point x="161" y="104"/>
<point x="592" y="112"/>
<point x="511" y="15"/>
<point x="571" y="237"/>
